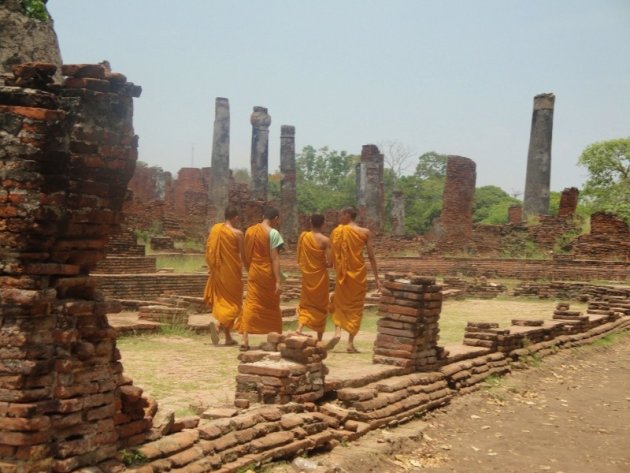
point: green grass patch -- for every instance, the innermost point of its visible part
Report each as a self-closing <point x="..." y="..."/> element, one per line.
<point x="189" y="263"/>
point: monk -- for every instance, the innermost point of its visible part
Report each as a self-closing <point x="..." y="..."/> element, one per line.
<point x="224" y="289"/>
<point x="347" y="242"/>
<point x="261" y="310"/>
<point x="314" y="259"/>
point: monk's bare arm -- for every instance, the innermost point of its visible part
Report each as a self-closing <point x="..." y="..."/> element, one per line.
<point x="370" y="252"/>
<point x="275" y="267"/>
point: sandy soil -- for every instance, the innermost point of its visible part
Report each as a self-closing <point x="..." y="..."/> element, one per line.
<point x="571" y="414"/>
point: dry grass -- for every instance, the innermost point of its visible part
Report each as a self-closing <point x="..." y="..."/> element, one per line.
<point x="181" y="368"/>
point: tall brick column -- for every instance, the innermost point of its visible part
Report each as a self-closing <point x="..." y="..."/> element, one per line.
<point x="536" y="200"/>
<point x="370" y="188"/>
<point x="288" y="191"/>
<point x="259" y="160"/>
<point x="459" y="191"/>
<point x="220" y="176"/>
<point x="66" y="156"/>
<point x="398" y="213"/>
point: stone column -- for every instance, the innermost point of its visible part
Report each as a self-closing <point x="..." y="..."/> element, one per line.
<point x="459" y="191"/>
<point x="260" y="121"/>
<point x="536" y="201"/>
<point x="398" y="213"/>
<point x="220" y="176"/>
<point x="568" y="202"/>
<point x="370" y="188"/>
<point x="288" y="193"/>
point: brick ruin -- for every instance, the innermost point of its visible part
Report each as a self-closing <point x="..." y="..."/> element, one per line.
<point x="370" y="189"/>
<point x="68" y="152"/>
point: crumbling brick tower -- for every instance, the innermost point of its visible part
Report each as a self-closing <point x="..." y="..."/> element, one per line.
<point x="67" y="153"/>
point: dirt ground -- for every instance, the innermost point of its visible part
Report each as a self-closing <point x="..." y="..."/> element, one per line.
<point x="570" y="414"/>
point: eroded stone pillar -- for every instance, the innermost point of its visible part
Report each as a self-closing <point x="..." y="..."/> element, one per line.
<point x="288" y="191"/>
<point x="459" y="191"/>
<point x="536" y="200"/>
<point x="220" y="176"/>
<point x="398" y="213"/>
<point x="259" y="160"/>
<point x="370" y="188"/>
<point x="568" y="202"/>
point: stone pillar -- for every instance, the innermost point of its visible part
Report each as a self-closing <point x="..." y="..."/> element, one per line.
<point x="63" y="392"/>
<point x="370" y="188"/>
<point x="220" y="176"/>
<point x="288" y="193"/>
<point x="536" y="201"/>
<point x="459" y="192"/>
<point x="568" y="202"/>
<point x="259" y="160"/>
<point x="398" y="213"/>
<point x="515" y="214"/>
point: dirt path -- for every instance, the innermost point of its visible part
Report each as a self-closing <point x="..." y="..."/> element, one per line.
<point x="571" y="414"/>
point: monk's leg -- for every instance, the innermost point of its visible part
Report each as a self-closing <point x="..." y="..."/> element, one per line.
<point x="245" y="341"/>
<point x="333" y="341"/>
<point x="351" y="348"/>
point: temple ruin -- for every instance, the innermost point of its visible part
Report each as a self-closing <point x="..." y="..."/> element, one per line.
<point x="260" y="121"/>
<point x="220" y="174"/>
<point x="370" y="190"/>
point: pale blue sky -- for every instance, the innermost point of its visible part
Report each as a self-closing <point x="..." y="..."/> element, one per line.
<point x="456" y="77"/>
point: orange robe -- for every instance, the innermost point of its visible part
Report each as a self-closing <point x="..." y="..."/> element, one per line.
<point x="261" y="310"/>
<point x="351" y="277"/>
<point x="224" y="289"/>
<point x="313" y="308"/>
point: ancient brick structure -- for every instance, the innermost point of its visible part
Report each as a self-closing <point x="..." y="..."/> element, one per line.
<point x="259" y="159"/>
<point x="408" y="328"/>
<point x="515" y="214"/>
<point x="568" y="202"/>
<point x="288" y="191"/>
<point x="26" y="39"/>
<point x="459" y="191"/>
<point x="331" y="221"/>
<point x="537" y="179"/>
<point x="68" y="152"/>
<point x="609" y="239"/>
<point x="398" y="213"/>
<point x="220" y="176"/>
<point x="288" y="368"/>
<point x="370" y="188"/>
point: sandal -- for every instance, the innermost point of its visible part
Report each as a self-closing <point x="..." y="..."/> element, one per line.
<point x="352" y="350"/>
<point x="243" y="348"/>
<point x="230" y="343"/>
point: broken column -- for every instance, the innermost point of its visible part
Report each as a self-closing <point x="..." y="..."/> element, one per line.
<point x="515" y="214"/>
<point x="220" y="176"/>
<point x="370" y="188"/>
<point x="66" y="155"/>
<point x="536" y="200"/>
<point x="259" y="160"/>
<point x="459" y="193"/>
<point x="288" y="191"/>
<point x="398" y="213"/>
<point x="568" y="202"/>
<point x="408" y="326"/>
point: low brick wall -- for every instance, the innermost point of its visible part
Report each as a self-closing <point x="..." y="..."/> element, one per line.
<point x="148" y="287"/>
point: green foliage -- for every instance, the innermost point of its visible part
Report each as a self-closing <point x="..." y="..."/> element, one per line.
<point x="325" y="180"/>
<point x="273" y="186"/>
<point x="431" y="165"/>
<point x="608" y="185"/>
<point x="423" y="202"/>
<point x="133" y="457"/>
<point x="35" y="9"/>
<point x="241" y="176"/>
<point x="491" y="205"/>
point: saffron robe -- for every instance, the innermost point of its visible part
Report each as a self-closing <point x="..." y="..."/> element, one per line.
<point x="224" y="289"/>
<point x="261" y="309"/>
<point x="313" y="308"/>
<point x="350" y="279"/>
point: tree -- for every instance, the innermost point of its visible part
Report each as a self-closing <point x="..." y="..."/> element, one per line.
<point x="491" y="205"/>
<point x="431" y="165"/>
<point x="608" y="184"/>
<point x="397" y="156"/>
<point x="325" y="179"/>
